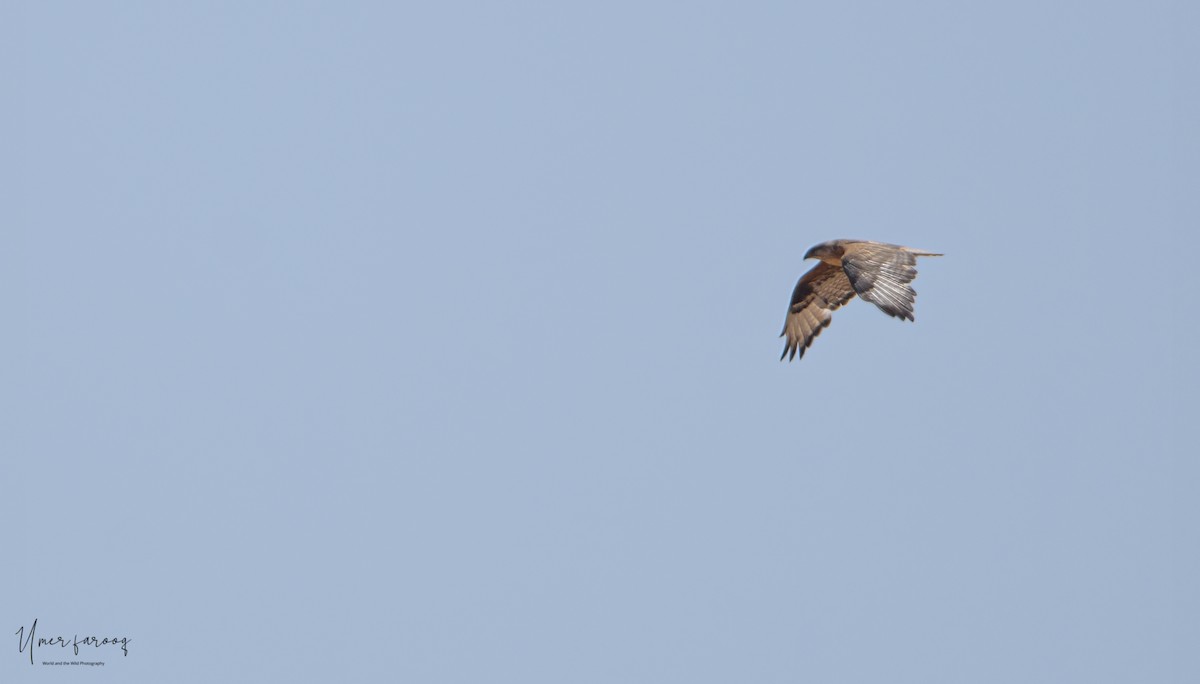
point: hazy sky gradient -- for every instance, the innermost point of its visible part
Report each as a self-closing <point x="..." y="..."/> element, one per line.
<point x="438" y="342"/>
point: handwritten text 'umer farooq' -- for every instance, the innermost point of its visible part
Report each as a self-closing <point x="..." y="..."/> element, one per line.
<point x="30" y="642"/>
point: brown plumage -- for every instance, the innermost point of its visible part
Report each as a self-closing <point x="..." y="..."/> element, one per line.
<point x="876" y="271"/>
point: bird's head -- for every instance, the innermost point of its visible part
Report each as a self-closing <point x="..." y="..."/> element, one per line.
<point x="829" y="252"/>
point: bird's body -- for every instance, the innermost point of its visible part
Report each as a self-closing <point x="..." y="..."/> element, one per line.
<point x="876" y="271"/>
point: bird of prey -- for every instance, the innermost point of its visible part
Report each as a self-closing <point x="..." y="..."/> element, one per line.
<point x="876" y="271"/>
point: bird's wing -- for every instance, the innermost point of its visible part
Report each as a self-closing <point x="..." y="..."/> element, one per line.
<point x="881" y="275"/>
<point x="819" y="292"/>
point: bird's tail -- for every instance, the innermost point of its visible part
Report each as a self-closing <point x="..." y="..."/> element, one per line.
<point x="920" y="252"/>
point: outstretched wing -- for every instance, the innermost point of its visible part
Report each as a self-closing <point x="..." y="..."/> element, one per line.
<point x="881" y="275"/>
<point x="819" y="292"/>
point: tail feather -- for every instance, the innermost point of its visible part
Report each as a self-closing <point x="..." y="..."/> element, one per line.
<point x="920" y="252"/>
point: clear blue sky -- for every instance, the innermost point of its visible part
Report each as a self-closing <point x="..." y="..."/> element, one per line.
<point x="438" y="342"/>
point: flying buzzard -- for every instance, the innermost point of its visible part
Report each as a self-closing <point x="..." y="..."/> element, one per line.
<point x="876" y="271"/>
